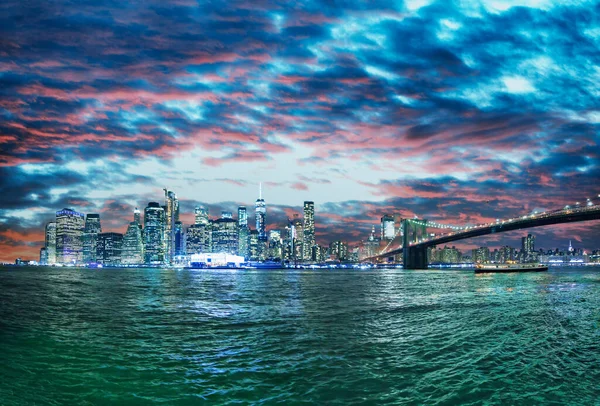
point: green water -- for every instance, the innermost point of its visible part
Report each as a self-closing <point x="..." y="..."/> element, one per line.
<point x="114" y="336"/>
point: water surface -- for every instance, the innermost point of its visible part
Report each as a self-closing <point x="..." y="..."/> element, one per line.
<point x="130" y="336"/>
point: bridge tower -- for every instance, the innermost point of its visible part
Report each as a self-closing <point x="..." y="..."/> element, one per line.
<point x="414" y="257"/>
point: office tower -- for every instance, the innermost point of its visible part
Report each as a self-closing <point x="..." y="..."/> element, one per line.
<point x="338" y="250"/>
<point x="243" y="232"/>
<point x="528" y="244"/>
<point x="308" y="238"/>
<point x="90" y="237"/>
<point x="179" y="239"/>
<point x="199" y="239"/>
<point x="136" y="216"/>
<point x="43" y="256"/>
<point x="297" y="238"/>
<point x="371" y="246"/>
<point x="171" y="216"/>
<point x="201" y="215"/>
<point x="154" y="232"/>
<point x="69" y="233"/>
<point x="225" y="236"/>
<point x="261" y="215"/>
<point x="275" y="245"/>
<point x="387" y="228"/>
<point x="109" y="248"/>
<point x="253" y="243"/>
<point x="133" y="244"/>
<point x="50" y="243"/>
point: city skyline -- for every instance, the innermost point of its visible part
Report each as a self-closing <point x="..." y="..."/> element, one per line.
<point x="454" y="112"/>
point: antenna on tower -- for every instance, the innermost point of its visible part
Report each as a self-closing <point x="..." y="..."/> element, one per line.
<point x="260" y="190"/>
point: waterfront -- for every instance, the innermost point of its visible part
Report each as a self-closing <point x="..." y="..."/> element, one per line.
<point x="81" y="336"/>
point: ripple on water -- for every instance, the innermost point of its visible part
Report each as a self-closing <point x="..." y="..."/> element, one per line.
<point x="74" y="336"/>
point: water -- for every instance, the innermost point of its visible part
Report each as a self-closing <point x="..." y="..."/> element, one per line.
<point x="71" y="336"/>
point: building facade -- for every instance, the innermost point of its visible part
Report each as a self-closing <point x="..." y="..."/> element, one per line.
<point x="308" y="238"/>
<point x="50" y="243"/>
<point x="109" y="248"/>
<point x="154" y="233"/>
<point x="225" y="236"/>
<point x="69" y="236"/>
<point x="90" y="237"/>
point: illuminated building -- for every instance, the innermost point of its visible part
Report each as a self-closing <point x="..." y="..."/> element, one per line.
<point x="261" y="216"/>
<point x="50" y="243"/>
<point x="308" y="238"/>
<point x="275" y="245"/>
<point x="243" y="232"/>
<point x="179" y="239"/>
<point x="253" y="250"/>
<point x="90" y="237"/>
<point x="43" y="256"/>
<point x="133" y="242"/>
<point x="207" y="260"/>
<point x="171" y="217"/>
<point x="225" y="236"/>
<point x="297" y="239"/>
<point x="201" y="215"/>
<point x="198" y="238"/>
<point x="528" y="244"/>
<point x="371" y="246"/>
<point x="226" y="215"/>
<point x="154" y="233"/>
<point x="69" y="233"/>
<point x="338" y="250"/>
<point x="387" y="228"/>
<point x="109" y="248"/>
<point x="481" y="255"/>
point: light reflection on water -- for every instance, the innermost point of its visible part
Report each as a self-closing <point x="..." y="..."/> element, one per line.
<point x="226" y="336"/>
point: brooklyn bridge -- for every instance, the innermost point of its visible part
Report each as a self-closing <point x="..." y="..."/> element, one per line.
<point x="413" y="237"/>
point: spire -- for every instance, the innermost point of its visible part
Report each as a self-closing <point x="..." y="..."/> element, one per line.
<point x="260" y="190"/>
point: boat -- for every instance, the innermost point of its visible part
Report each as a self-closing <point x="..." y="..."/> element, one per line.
<point x="510" y="267"/>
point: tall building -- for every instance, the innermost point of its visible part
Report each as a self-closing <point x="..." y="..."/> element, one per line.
<point x="338" y="250"/>
<point x="132" y="252"/>
<point x="225" y="236"/>
<point x="243" y="232"/>
<point x="137" y="216"/>
<point x="201" y="215"/>
<point x="275" y="245"/>
<point x="253" y="249"/>
<point x="171" y="217"/>
<point x="43" y="256"/>
<point x="387" y="228"/>
<point x="90" y="237"/>
<point x="261" y="216"/>
<point x="154" y="233"/>
<point x="69" y="233"/>
<point x="109" y="248"/>
<point x="50" y="243"/>
<point x="308" y="239"/>
<point x="528" y="244"/>
<point x="198" y="239"/>
<point x="371" y="246"/>
<point x="179" y="239"/>
<point x="297" y="239"/>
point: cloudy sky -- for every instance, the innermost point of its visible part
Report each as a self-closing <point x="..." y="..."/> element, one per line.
<point x="458" y="111"/>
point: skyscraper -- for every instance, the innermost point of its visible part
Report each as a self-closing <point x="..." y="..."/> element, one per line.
<point x="69" y="233"/>
<point x="90" y="237"/>
<point x="171" y="216"/>
<point x="133" y="242"/>
<point x="179" y="239"/>
<point x="387" y="228"/>
<point x="261" y="216"/>
<point x="201" y="215"/>
<point x="154" y="232"/>
<point x="109" y="248"/>
<point x="297" y="239"/>
<point x="225" y="236"/>
<point x="275" y="245"/>
<point x="528" y="244"/>
<point x="243" y="232"/>
<point x="50" y="243"/>
<point x="308" y="239"/>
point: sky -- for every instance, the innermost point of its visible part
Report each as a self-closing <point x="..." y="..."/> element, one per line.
<point x="456" y="111"/>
